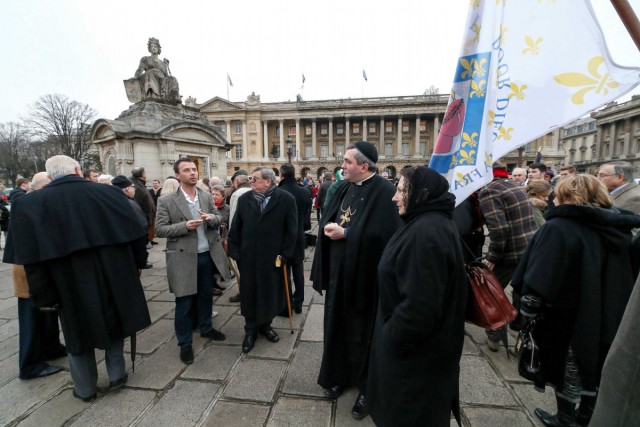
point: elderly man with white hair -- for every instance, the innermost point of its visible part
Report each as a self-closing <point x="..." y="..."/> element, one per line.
<point x="88" y="274"/>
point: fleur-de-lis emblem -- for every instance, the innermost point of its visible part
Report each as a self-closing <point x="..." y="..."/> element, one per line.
<point x="488" y="158"/>
<point x="533" y="46"/>
<point x="505" y="133"/>
<point x="498" y="2"/>
<point x="601" y="83"/>
<point x="468" y="72"/>
<point x="474" y="4"/>
<point x="467" y="157"/>
<point x="470" y="140"/>
<point x="517" y="92"/>
<point x="503" y="34"/>
<point x="479" y="69"/>
<point x="477" y="88"/>
<point x="492" y="117"/>
<point x="476" y="31"/>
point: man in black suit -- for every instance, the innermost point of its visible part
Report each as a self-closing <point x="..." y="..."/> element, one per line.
<point x="303" y="204"/>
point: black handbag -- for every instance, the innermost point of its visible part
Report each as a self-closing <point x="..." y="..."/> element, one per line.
<point x="528" y="352"/>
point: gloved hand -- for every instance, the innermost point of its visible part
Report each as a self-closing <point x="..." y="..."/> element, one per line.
<point x="531" y="306"/>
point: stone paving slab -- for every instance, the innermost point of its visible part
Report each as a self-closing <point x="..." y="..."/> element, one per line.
<point x="255" y="379"/>
<point x="18" y="396"/>
<point x="9" y="369"/>
<point x="56" y="411"/>
<point x="313" y="329"/>
<point x="533" y="399"/>
<point x="280" y="350"/>
<point x="8" y="329"/>
<point x="487" y="417"/>
<point x="148" y="373"/>
<point x="300" y="412"/>
<point x="225" y="313"/>
<point x="283" y="322"/>
<point x="183" y="405"/>
<point x="165" y="296"/>
<point x="153" y="337"/>
<point x="234" y="330"/>
<point x="343" y="411"/>
<point x="302" y="374"/>
<point x="10" y="312"/>
<point x="479" y="384"/>
<point x="9" y="347"/>
<point x="214" y="363"/>
<point x="236" y="414"/>
<point x="469" y="347"/>
<point x="506" y="367"/>
<point x="158" y="309"/>
<point x="117" y="408"/>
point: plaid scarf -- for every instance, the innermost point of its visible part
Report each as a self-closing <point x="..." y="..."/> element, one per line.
<point x="261" y="198"/>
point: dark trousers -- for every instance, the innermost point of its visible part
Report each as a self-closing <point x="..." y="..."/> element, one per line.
<point x="250" y="327"/>
<point x="39" y="337"/>
<point x="296" y="271"/>
<point x="202" y="302"/>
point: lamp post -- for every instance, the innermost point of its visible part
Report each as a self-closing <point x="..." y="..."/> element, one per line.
<point x="289" y="145"/>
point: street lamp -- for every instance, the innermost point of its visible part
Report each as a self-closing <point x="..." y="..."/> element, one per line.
<point x="289" y="146"/>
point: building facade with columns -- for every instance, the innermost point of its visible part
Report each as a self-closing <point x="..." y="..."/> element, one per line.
<point x="403" y="128"/>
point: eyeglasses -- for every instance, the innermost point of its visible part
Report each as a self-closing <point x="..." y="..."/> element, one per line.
<point x="602" y="175"/>
<point x="253" y="178"/>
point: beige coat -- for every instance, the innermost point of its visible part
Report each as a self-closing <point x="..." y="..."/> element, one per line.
<point x="182" y="244"/>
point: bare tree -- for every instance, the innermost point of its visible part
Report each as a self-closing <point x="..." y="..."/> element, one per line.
<point x="63" y="122"/>
<point x="14" y="148"/>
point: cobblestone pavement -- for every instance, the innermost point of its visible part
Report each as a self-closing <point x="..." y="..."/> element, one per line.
<point x="274" y="385"/>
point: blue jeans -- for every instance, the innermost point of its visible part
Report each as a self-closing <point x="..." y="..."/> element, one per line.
<point x="202" y="301"/>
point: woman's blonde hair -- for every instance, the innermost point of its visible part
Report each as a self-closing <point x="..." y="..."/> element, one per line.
<point x="583" y="189"/>
<point x="538" y="187"/>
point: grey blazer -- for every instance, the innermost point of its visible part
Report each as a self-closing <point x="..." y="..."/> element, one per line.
<point x="628" y="198"/>
<point x="182" y="245"/>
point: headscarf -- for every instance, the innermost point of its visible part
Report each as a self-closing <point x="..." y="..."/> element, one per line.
<point x="428" y="192"/>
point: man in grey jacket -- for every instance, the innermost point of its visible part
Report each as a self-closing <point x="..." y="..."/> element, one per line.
<point x="188" y="219"/>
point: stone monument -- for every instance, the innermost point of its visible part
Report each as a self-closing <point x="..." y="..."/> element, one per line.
<point x="158" y="129"/>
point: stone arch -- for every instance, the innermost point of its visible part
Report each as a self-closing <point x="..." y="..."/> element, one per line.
<point x="276" y="171"/>
<point x="391" y="170"/>
<point x="304" y="171"/>
<point x="336" y="169"/>
<point x="321" y="171"/>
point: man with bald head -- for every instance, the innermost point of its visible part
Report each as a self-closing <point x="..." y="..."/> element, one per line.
<point x="519" y="175"/>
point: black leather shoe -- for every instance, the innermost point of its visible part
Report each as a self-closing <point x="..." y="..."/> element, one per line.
<point x="58" y="352"/>
<point x="553" y="420"/>
<point x="147" y="266"/>
<point x="297" y="308"/>
<point x="270" y="335"/>
<point x="186" y="355"/>
<point x="359" y="410"/>
<point x="219" y="286"/>
<point x="333" y="392"/>
<point x="214" y="335"/>
<point x="49" y="370"/>
<point x="114" y="385"/>
<point x="248" y="343"/>
<point x="85" y="399"/>
<point x="235" y="298"/>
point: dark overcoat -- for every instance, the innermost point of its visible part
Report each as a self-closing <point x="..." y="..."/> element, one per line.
<point x="303" y="205"/>
<point x="417" y="341"/>
<point x="579" y="263"/>
<point x="82" y="246"/>
<point x="255" y="240"/>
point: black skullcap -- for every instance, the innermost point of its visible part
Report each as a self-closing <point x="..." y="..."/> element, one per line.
<point x="238" y="172"/>
<point x="368" y="149"/>
<point x="121" y="181"/>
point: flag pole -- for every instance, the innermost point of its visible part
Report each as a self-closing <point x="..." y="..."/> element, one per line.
<point x="629" y="19"/>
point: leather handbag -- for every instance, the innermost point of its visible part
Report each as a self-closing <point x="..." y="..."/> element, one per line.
<point x="528" y="352"/>
<point x="487" y="305"/>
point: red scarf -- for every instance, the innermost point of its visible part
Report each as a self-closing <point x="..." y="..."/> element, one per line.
<point x="219" y="203"/>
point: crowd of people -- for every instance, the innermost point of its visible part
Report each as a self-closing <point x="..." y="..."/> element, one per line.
<point x="390" y="260"/>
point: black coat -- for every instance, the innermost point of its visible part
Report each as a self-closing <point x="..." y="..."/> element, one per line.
<point x="144" y="200"/>
<point x="81" y="246"/>
<point x="255" y="240"/>
<point x="303" y="205"/>
<point x="346" y="269"/>
<point x="579" y="263"/>
<point x="417" y="341"/>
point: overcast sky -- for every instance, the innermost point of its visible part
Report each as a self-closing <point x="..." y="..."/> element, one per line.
<point x="84" y="49"/>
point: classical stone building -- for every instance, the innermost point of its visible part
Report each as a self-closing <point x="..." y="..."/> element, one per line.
<point x="404" y="129"/>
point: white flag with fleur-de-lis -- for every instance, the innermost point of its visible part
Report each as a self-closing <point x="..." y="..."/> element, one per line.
<point x="526" y="68"/>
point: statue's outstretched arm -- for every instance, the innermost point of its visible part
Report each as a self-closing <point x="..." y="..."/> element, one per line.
<point x="141" y="69"/>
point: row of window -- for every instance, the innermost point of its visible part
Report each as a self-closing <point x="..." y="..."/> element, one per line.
<point x="324" y="150"/>
<point x="339" y="128"/>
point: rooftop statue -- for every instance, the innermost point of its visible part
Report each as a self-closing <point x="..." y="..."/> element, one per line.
<point x="153" y="78"/>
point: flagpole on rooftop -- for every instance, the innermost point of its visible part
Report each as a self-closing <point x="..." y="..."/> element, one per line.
<point x="629" y="19"/>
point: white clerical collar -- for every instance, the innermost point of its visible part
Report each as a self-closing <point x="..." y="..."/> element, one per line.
<point x="366" y="179"/>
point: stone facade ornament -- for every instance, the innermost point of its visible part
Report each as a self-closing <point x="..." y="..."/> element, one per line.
<point x="153" y="79"/>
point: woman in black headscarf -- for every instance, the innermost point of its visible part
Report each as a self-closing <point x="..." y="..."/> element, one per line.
<point x="415" y="355"/>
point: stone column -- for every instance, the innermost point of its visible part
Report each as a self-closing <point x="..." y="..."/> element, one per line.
<point x="244" y="141"/>
<point x="282" y="147"/>
<point x="626" y="148"/>
<point x="314" y="138"/>
<point x="228" y="122"/>
<point x="331" y="147"/>
<point x="597" y="154"/>
<point x="416" y="149"/>
<point x="612" y="139"/>
<point x="347" y="133"/>
<point x="399" y="137"/>
<point x="297" y="156"/>
<point x="265" y="140"/>
<point x="364" y="129"/>
<point x="381" y="151"/>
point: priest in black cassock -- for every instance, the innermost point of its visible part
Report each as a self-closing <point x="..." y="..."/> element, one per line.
<point x="354" y="230"/>
<point x="81" y="248"/>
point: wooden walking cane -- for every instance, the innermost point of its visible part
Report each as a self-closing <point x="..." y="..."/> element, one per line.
<point x="286" y="290"/>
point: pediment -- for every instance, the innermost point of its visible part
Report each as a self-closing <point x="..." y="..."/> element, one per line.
<point x="218" y="104"/>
